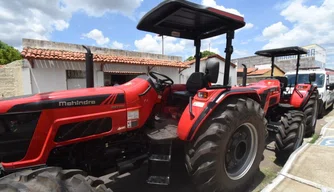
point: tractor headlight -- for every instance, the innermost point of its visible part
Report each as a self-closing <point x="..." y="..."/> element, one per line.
<point x="202" y="95"/>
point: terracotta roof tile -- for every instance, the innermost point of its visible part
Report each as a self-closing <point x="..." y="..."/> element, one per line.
<point x="249" y="70"/>
<point x="35" y="53"/>
<point x="125" y="72"/>
<point x="259" y="72"/>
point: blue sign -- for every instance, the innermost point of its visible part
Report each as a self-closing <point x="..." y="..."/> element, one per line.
<point x="328" y="142"/>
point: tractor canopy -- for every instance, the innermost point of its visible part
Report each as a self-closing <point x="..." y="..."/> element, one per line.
<point x="286" y="51"/>
<point x="184" y="19"/>
<point x="279" y="52"/>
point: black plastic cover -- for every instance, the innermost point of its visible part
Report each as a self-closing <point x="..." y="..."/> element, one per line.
<point x="212" y="71"/>
<point x="184" y="19"/>
<point x="286" y="51"/>
<point x="16" y="132"/>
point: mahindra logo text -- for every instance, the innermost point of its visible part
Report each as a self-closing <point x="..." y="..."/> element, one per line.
<point x="75" y="103"/>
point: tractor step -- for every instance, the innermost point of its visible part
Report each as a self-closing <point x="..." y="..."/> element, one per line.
<point x="158" y="180"/>
<point x="165" y="130"/>
<point x="159" y="162"/>
<point x="163" y="158"/>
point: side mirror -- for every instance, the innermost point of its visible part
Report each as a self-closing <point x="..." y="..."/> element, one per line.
<point x="212" y="71"/>
<point x="312" y="77"/>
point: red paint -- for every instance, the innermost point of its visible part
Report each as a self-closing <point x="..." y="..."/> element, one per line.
<point x="51" y="119"/>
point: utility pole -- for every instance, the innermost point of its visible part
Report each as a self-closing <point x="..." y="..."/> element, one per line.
<point x="162" y="44"/>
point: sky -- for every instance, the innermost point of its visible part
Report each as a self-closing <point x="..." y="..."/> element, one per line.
<point x="112" y="24"/>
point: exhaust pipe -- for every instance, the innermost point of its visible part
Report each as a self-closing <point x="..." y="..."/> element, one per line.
<point x="244" y="76"/>
<point x="89" y="68"/>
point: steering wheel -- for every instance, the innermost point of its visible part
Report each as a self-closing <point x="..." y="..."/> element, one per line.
<point x="167" y="81"/>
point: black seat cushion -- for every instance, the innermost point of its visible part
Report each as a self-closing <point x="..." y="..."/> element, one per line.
<point x="283" y="80"/>
<point x="195" y="82"/>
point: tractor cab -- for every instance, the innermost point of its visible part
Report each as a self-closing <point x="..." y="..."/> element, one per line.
<point x="183" y="19"/>
<point x="187" y="20"/>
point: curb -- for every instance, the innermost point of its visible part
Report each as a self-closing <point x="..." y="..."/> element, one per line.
<point x="284" y="172"/>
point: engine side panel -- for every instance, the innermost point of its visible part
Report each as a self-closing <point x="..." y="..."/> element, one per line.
<point x="62" y="118"/>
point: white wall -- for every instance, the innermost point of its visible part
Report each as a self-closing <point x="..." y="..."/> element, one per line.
<point x="26" y="77"/>
<point x="50" y="75"/>
<point x="233" y="72"/>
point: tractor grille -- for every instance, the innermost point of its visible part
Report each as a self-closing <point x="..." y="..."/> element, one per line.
<point x="83" y="129"/>
<point x="16" y="131"/>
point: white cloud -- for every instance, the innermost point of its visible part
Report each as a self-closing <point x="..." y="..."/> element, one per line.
<point x="28" y="19"/>
<point x="213" y="3"/>
<point x="175" y="46"/>
<point x="153" y="44"/>
<point x="117" y="45"/>
<point x="240" y="53"/>
<point x="274" y="30"/>
<point x="98" y="8"/>
<point x="248" y="26"/>
<point x="98" y="36"/>
<point x="61" y="25"/>
<point x="311" y="24"/>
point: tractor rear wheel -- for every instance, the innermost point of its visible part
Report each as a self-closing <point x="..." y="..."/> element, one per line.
<point x="51" y="179"/>
<point x="311" y="114"/>
<point x="290" y="134"/>
<point x="227" y="150"/>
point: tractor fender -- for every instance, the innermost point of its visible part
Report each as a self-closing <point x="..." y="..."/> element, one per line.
<point x="299" y="102"/>
<point x="189" y="125"/>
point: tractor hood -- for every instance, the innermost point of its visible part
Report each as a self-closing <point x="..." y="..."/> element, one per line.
<point x="73" y="98"/>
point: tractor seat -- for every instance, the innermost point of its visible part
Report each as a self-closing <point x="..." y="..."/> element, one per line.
<point x="283" y="80"/>
<point x="195" y="82"/>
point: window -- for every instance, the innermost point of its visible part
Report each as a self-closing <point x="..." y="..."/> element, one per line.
<point x="304" y="78"/>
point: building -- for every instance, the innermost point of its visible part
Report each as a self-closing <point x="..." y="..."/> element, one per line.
<point x="52" y="66"/>
<point x="259" y="72"/>
<point x="316" y="57"/>
<point x="216" y="58"/>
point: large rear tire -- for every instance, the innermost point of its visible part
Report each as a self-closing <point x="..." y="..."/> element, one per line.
<point x="311" y="114"/>
<point x="290" y="134"/>
<point x="227" y="150"/>
<point x="51" y="179"/>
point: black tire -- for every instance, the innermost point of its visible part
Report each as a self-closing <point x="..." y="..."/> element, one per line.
<point x="290" y="134"/>
<point x="311" y="114"/>
<point x="51" y="179"/>
<point x="321" y="111"/>
<point x="211" y="149"/>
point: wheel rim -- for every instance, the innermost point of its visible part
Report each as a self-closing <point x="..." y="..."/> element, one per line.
<point x="314" y="118"/>
<point x="241" y="151"/>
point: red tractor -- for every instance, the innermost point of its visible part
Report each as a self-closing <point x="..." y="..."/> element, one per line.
<point x="115" y="129"/>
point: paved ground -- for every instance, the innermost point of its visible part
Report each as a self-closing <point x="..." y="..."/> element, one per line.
<point x="311" y="167"/>
<point x="180" y="181"/>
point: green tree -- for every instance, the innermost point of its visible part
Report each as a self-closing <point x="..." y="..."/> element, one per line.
<point x="203" y="54"/>
<point x="8" y="54"/>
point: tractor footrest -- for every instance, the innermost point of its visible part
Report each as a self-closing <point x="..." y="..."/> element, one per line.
<point x="163" y="131"/>
<point x="162" y="158"/>
<point x="158" y="180"/>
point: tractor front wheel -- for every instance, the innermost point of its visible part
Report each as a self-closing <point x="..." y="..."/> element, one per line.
<point x="290" y="134"/>
<point x="51" y="179"/>
<point x="311" y="114"/>
<point x="227" y="150"/>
